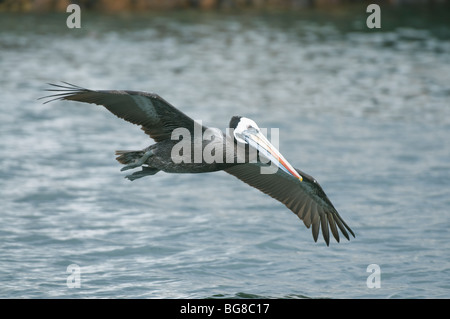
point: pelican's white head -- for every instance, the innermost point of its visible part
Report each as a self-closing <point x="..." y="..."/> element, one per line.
<point x="248" y="132"/>
<point x="241" y="126"/>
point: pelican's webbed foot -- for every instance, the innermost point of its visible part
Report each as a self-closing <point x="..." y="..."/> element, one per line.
<point x="138" y="162"/>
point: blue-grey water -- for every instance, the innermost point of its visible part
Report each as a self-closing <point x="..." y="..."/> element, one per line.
<point x="366" y="112"/>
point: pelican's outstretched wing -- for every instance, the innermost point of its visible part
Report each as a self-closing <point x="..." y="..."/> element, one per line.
<point x="157" y="117"/>
<point x="305" y="198"/>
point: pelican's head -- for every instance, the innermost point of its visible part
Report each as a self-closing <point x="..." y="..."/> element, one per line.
<point x="248" y="132"/>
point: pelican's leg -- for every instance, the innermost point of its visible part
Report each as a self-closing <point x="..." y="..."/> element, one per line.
<point x="138" y="162"/>
<point x="144" y="172"/>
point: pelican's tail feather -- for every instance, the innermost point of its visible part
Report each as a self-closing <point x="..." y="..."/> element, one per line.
<point x="127" y="157"/>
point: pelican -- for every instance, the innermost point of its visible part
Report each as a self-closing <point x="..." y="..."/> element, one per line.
<point x="298" y="191"/>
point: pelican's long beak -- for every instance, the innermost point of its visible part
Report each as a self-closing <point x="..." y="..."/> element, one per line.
<point x="257" y="140"/>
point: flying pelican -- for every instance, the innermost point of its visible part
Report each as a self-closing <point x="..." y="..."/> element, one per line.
<point x="300" y="192"/>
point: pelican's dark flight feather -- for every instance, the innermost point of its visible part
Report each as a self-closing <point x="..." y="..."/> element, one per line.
<point x="306" y="198"/>
<point x="300" y="192"/>
<point x="157" y="117"/>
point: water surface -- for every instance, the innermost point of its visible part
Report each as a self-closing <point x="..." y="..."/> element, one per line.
<point x="365" y="112"/>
